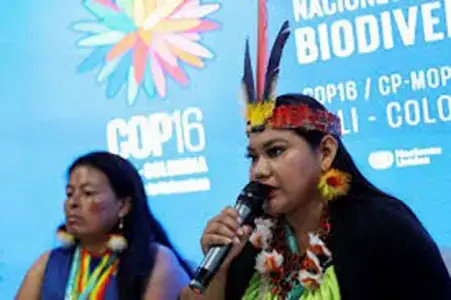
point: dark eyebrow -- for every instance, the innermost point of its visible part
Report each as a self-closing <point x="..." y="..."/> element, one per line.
<point x="268" y="144"/>
<point x="69" y="186"/>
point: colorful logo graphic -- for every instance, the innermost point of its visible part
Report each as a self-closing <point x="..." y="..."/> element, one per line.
<point x="140" y="43"/>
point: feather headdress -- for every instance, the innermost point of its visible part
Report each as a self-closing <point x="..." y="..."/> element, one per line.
<point x="260" y="97"/>
<point x="260" y="100"/>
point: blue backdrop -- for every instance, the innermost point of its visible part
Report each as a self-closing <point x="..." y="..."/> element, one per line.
<point x="158" y="82"/>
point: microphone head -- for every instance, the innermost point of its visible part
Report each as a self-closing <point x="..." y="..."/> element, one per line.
<point x="254" y="195"/>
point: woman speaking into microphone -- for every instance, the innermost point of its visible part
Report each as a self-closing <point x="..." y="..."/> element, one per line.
<point x="327" y="233"/>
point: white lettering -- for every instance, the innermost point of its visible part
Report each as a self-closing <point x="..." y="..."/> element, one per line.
<point x="309" y="9"/>
<point x="178" y="187"/>
<point x="349" y="122"/>
<point x="407" y="27"/>
<point x="389" y="84"/>
<point x="418" y="80"/>
<point x="444" y="108"/>
<point x="366" y="33"/>
<point x="145" y="136"/>
<point x="415" y="156"/>
<point x="367" y="43"/>
<point x="117" y="128"/>
<point x="414" y="112"/>
<point x="342" y="47"/>
<point x="393" y="118"/>
<point x="193" y="129"/>
<point x="387" y="30"/>
<point x="431" y="78"/>
<point x="307" y="50"/>
<point x="430" y="21"/>
<point x="175" y="167"/>
<point x="447" y="10"/>
<point x="342" y="91"/>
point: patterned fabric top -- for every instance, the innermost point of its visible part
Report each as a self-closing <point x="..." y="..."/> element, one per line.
<point x="328" y="290"/>
<point x="57" y="275"/>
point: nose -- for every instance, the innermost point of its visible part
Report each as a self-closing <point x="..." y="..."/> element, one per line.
<point x="73" y="201"/>
<point x="261" y="170"/>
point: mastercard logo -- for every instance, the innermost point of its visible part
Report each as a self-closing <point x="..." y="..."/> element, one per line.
<point x="381" y="160"/>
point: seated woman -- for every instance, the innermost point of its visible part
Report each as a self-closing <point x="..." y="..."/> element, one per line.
<point x="327" y="232"/>
<point x="114" y="246"/>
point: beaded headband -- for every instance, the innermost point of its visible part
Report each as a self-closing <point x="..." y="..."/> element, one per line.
<point x="261" y="110"/>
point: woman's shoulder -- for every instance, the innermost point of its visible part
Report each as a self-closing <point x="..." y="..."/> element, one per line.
<point x="164" y="255"/>
<point x="168" y="276"/>
<point x="378" y="223"/>
<point x="166" y="260"/>
<point x="395" y="223"/>
<point x="383" y="232"/>
<point x="375" y="214"/>
<point x="388" y="228"/>
<point x="60" y="251"/>
<point x="394" y="217"/>
<point x="31" y="284"/>
<point x="41" y="263"/>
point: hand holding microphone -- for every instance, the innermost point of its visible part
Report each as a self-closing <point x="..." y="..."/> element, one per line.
<point x="225" y="229"/>
<point x="226" y="234"/>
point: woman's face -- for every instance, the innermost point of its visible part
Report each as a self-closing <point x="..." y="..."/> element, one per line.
<point x="285" y="161"/>
<point x="91" y="206"/>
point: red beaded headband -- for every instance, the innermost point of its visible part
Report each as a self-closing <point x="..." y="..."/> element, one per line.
<point x="299" y="116"/>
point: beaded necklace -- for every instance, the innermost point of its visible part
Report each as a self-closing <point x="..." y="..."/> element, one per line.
<point x="283" y="269"/>
<point x="81" y="284"/>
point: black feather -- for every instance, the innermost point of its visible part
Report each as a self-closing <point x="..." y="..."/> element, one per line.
<point x="272" y="71"/>
<point x="248" y="78"/>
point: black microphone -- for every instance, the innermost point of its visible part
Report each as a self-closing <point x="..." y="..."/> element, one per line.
<point x="249" y="206"/>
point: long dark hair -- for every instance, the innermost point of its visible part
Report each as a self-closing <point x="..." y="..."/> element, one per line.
<point x="141" y="229"/>
<point x="361" y="187"/>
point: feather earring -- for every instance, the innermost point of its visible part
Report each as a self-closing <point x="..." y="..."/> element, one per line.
<point x="333" y="184"/>
<point x="117" y="242"/>
<point x="65" y="238"/>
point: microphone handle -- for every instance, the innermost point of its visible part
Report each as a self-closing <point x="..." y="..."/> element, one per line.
<point x="215" y="257"/>
<point x="210" y="265"/>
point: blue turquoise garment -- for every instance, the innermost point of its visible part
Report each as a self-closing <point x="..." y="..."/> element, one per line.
<point x="57" y="274"/>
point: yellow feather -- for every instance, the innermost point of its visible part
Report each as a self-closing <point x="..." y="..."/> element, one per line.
<point x="258" y="113"/>
<point x="341" y="183"/>
<point x="243" y="100"/>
